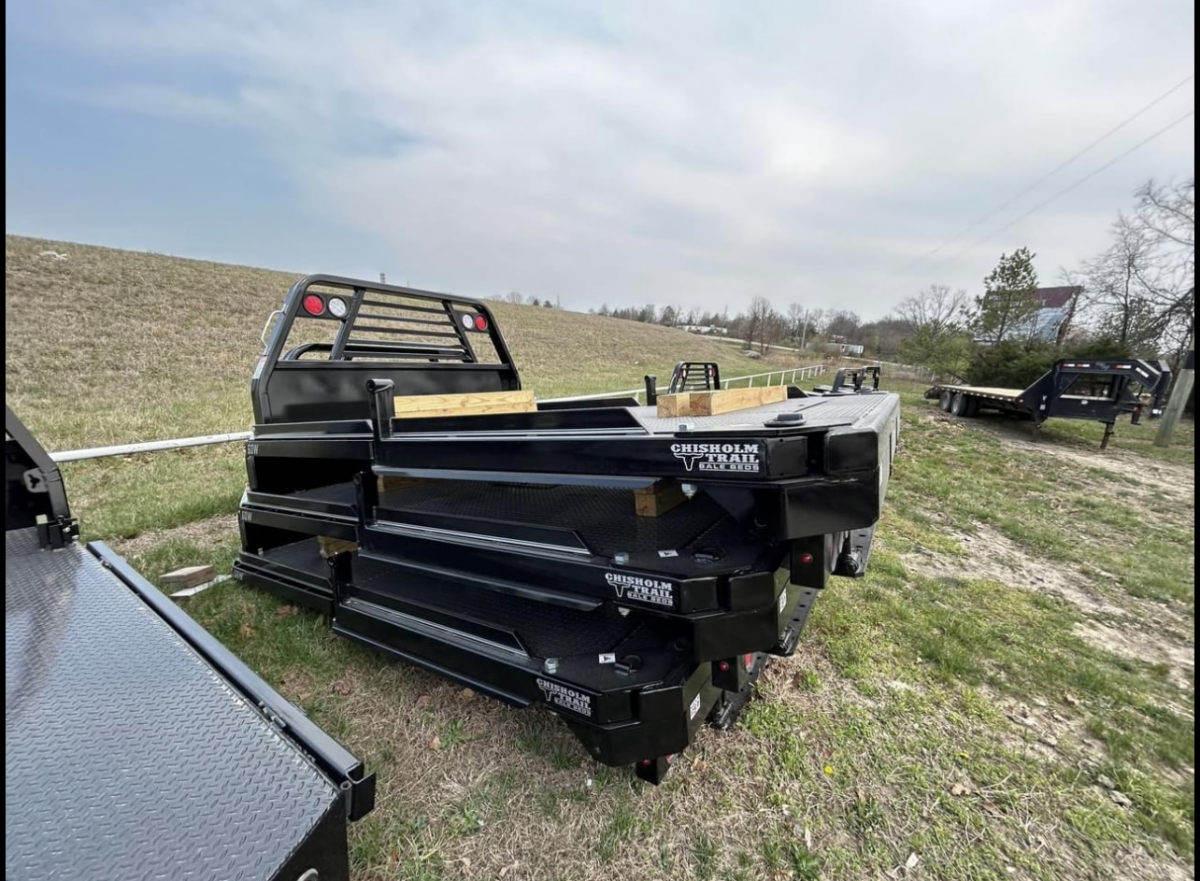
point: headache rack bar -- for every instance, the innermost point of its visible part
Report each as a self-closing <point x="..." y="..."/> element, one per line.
<point x="425" y="342"/>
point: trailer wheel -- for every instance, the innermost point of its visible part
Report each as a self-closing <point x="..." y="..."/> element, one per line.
<point x="944" y="400"/>
<point x="974" y="405"/>
<point x="958" y="405"/>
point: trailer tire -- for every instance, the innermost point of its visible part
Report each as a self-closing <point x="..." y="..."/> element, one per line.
<point x="958" y="405"/>
<point x="974" y="405"/>
<point x="944" y="400"/>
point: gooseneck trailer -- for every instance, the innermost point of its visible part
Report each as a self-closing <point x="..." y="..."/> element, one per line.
<point x="1098" y="391"/>
<point x="630" y="567"/>
<point x="136" y="746"/>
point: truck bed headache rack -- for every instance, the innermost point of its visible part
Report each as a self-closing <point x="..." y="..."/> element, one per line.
<point x="632" y="572"/>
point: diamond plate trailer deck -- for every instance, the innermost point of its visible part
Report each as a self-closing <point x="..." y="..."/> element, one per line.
<point x="136" y="746"/>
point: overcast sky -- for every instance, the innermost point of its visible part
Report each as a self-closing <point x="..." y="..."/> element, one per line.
<point x="693" y="153"/>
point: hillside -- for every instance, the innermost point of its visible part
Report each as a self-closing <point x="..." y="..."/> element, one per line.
<point x="147" y="346"/>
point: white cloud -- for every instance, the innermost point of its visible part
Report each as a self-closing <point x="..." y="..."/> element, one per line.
<point x="678" y="152"/>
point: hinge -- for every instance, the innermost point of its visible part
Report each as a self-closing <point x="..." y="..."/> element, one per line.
<point x="58" y="532"/>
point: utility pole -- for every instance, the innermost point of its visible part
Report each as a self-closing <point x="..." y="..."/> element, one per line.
<point x="1179" y="399"/>
<point x="383" y="278"/>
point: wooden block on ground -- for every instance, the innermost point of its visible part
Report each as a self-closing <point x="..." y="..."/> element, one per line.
<point x="389" y="483"/>
<point x="332" y="546"/>
<point x="471" y="404"/>
<point x="729" y="400"/>
<point x="673" y="405"/>
<point x="189" y="576"/>
<point x="656" y="500"/>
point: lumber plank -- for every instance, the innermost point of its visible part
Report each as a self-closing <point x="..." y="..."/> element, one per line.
<point x="331" y="546"/>
<point x="469" y="404"/>
<point x="386" y="484"/>
<point x="656" y="500"/>
<point x="189" y="576"/>
<point x="729" y="400"/>
<point x="673" y="405"/>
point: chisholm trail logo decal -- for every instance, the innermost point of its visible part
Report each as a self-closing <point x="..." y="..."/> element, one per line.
<point x="567" y="698"/>
<point x="719" y="457"/>
<point x="644" y="590"/>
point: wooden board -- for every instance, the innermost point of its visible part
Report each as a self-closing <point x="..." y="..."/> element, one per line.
<point x="470" y="404"/>
<point x="673" y="405"/>
<point x="332" y="546"/>
<point x="189" y="576"/>
<point x="656" y="500"/>
<point x="389" y="483"/>
<point x="729" y="400"/>
<point x="718" y="402"/>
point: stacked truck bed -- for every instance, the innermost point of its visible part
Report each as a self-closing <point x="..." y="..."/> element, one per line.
<point x="631" y="567"/>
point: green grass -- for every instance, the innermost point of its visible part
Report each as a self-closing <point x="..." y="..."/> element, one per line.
<point x="895" y="735"/>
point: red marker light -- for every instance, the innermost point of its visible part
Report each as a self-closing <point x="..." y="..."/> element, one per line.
<point x="806" y="559"/>
<point x="723" y="666"/>
<point x="480" y="323"/>
<point x="313" y="305"/>
<point x="748" y="661"/>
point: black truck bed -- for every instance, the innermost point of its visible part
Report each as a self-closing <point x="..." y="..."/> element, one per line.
<point x="127" y="755"/>
<point x="632" y="571"/>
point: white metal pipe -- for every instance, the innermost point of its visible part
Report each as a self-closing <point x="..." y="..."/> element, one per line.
<point x="149" y="447"/>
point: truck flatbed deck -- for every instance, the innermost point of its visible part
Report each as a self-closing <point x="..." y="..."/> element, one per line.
<point x="136" y="746"/>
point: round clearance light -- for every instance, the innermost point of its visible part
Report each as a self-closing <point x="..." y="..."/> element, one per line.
<point x="468" y="322"/>
<point x="313" y="305"/>
<point x="480" y="323"/>
<point x="338" y="307"/>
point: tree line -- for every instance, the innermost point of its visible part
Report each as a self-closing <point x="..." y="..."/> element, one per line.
<point x="1137" y="298"/>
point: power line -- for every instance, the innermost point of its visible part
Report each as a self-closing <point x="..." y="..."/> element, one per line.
<point x="1083" y="180"/>
<point x="1041" y="180"/>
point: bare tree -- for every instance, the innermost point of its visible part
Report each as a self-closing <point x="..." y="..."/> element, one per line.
<point x="842" y="326"/>
<point x="1168" y="215"/>
<point x="1124" y="302"/>
<point x="796" y="315"/>
<point x="936" y="307"/>
<point x="1168" y="211"/>
<point x="757" y="318"/>
<point x="515" y="297"/>
<point x="935" y="320"/>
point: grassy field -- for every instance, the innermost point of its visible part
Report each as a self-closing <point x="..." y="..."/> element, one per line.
<point x="1008" y="695"/>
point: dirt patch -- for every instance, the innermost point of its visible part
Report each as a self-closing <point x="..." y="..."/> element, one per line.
<point x="1175" y="482"/>
<point x="991" y="556"/>
<point x="1143" y="627"/>
<point x="210" y="533"/>
<point x="1140" y="646"/>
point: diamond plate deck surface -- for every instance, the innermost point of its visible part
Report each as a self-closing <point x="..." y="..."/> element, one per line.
<point x="125" y="755"/>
